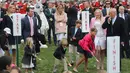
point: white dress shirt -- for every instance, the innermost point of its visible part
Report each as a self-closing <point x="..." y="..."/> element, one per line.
<point x="107" y="10"/>
<point x="122" y="15"/>
<point x="113" y="20"/>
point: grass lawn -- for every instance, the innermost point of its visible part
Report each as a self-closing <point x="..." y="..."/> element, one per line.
<point x="47" y="62"/>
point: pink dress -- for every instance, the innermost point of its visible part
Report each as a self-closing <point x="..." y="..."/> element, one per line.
<point x="100" y="37"/>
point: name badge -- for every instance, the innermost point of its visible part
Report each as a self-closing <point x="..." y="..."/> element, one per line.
<point x="61" y="24"/>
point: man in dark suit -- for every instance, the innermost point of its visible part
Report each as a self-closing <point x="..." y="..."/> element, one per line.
<point x="29" y="24"/>
<point x="49" y="12"/>
<point x="126" y="17"/>
<point x="106" y="10"/>
<point x="75" y="36"/>
<point x="114" y="26"/>
<point x="72" y="16"/>
<point x="2" y="13"/>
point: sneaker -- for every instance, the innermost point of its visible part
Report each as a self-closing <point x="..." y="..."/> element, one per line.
<point x="32" y="72"/>
<point x="75" y="70"/>
<point x="44" y="46"/>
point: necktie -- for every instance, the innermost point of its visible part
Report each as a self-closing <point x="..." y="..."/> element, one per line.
<point x="112" y="25"/>
<point x="31" y="27"/>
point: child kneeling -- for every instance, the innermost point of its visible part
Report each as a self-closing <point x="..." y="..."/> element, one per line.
<point x="59" y="55"/>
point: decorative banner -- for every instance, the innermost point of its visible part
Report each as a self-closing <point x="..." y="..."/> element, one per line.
<point x="17" y="24"/>
<point x="85" y="21"/>
<point x="113" y="54"/>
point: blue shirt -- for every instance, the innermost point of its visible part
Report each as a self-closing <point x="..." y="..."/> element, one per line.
<point x="75" y="31"/>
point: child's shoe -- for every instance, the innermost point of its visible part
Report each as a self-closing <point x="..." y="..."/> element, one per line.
<point x="32" y="72"/>
<point x="75" y="70"/>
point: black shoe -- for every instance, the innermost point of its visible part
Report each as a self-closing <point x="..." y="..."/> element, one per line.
<point x="72" y="64"/>
<point x="34" y="68"/>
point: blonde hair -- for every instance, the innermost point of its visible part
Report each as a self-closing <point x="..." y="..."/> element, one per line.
<point x="29" y="42"/>
<point x="121" y="7"/>
<point x="101" y="15"/>
<point x="64" y="41"/>
<point x="61" y="6"/>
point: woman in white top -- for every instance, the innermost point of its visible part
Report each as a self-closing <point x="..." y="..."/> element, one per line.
<point x="100" y="37"/>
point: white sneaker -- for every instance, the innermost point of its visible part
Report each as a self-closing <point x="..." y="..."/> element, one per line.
<point x="75" y="70"/>
<point x="43" y="46"/>
<point x="32" y="72"/>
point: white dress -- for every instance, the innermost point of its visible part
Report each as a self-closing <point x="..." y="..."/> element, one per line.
<point x="28" y="66"/>
<point x="100" y="37"/>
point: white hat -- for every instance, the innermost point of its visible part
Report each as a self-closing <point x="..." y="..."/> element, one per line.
<point x="7" y="30"/>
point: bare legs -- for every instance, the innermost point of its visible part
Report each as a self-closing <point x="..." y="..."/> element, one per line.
<point x="7" y="53"/>
<point x="86" y="64"/>
<point x="102" y="59"/>
<point x="100" y="54"/>
<point x="80" y="61"/>
<point x="98" y="57"/>
<point x="27" y="69"/>
<point x="14" y="56"/>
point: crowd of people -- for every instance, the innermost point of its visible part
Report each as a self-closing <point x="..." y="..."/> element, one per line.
<point x="64" y="20"/>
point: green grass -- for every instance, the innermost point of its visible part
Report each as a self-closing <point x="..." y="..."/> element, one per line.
<point x="46" y="65"/>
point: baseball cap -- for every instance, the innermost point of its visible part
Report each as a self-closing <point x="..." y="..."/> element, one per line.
<point x="7" y="30"/>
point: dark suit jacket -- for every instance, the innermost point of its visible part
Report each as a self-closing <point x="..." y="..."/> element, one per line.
<point x="3" y="12"/>
<point x="72" y="15"/>
<point x="26" y="27"/>
<point x="77" y="35"/>
<point x="39" y="19"/>
<point x="7" y="22"/>
<point x="117" y="29"/>
<point x="49" y="15"/>
<point x="104" y="12"/>
<point x="59" y="53"/>
<point x="126" y="24"/>
<point x="3" y="41"/>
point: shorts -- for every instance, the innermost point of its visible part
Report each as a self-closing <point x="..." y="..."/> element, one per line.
<point x="87" y="54"/>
